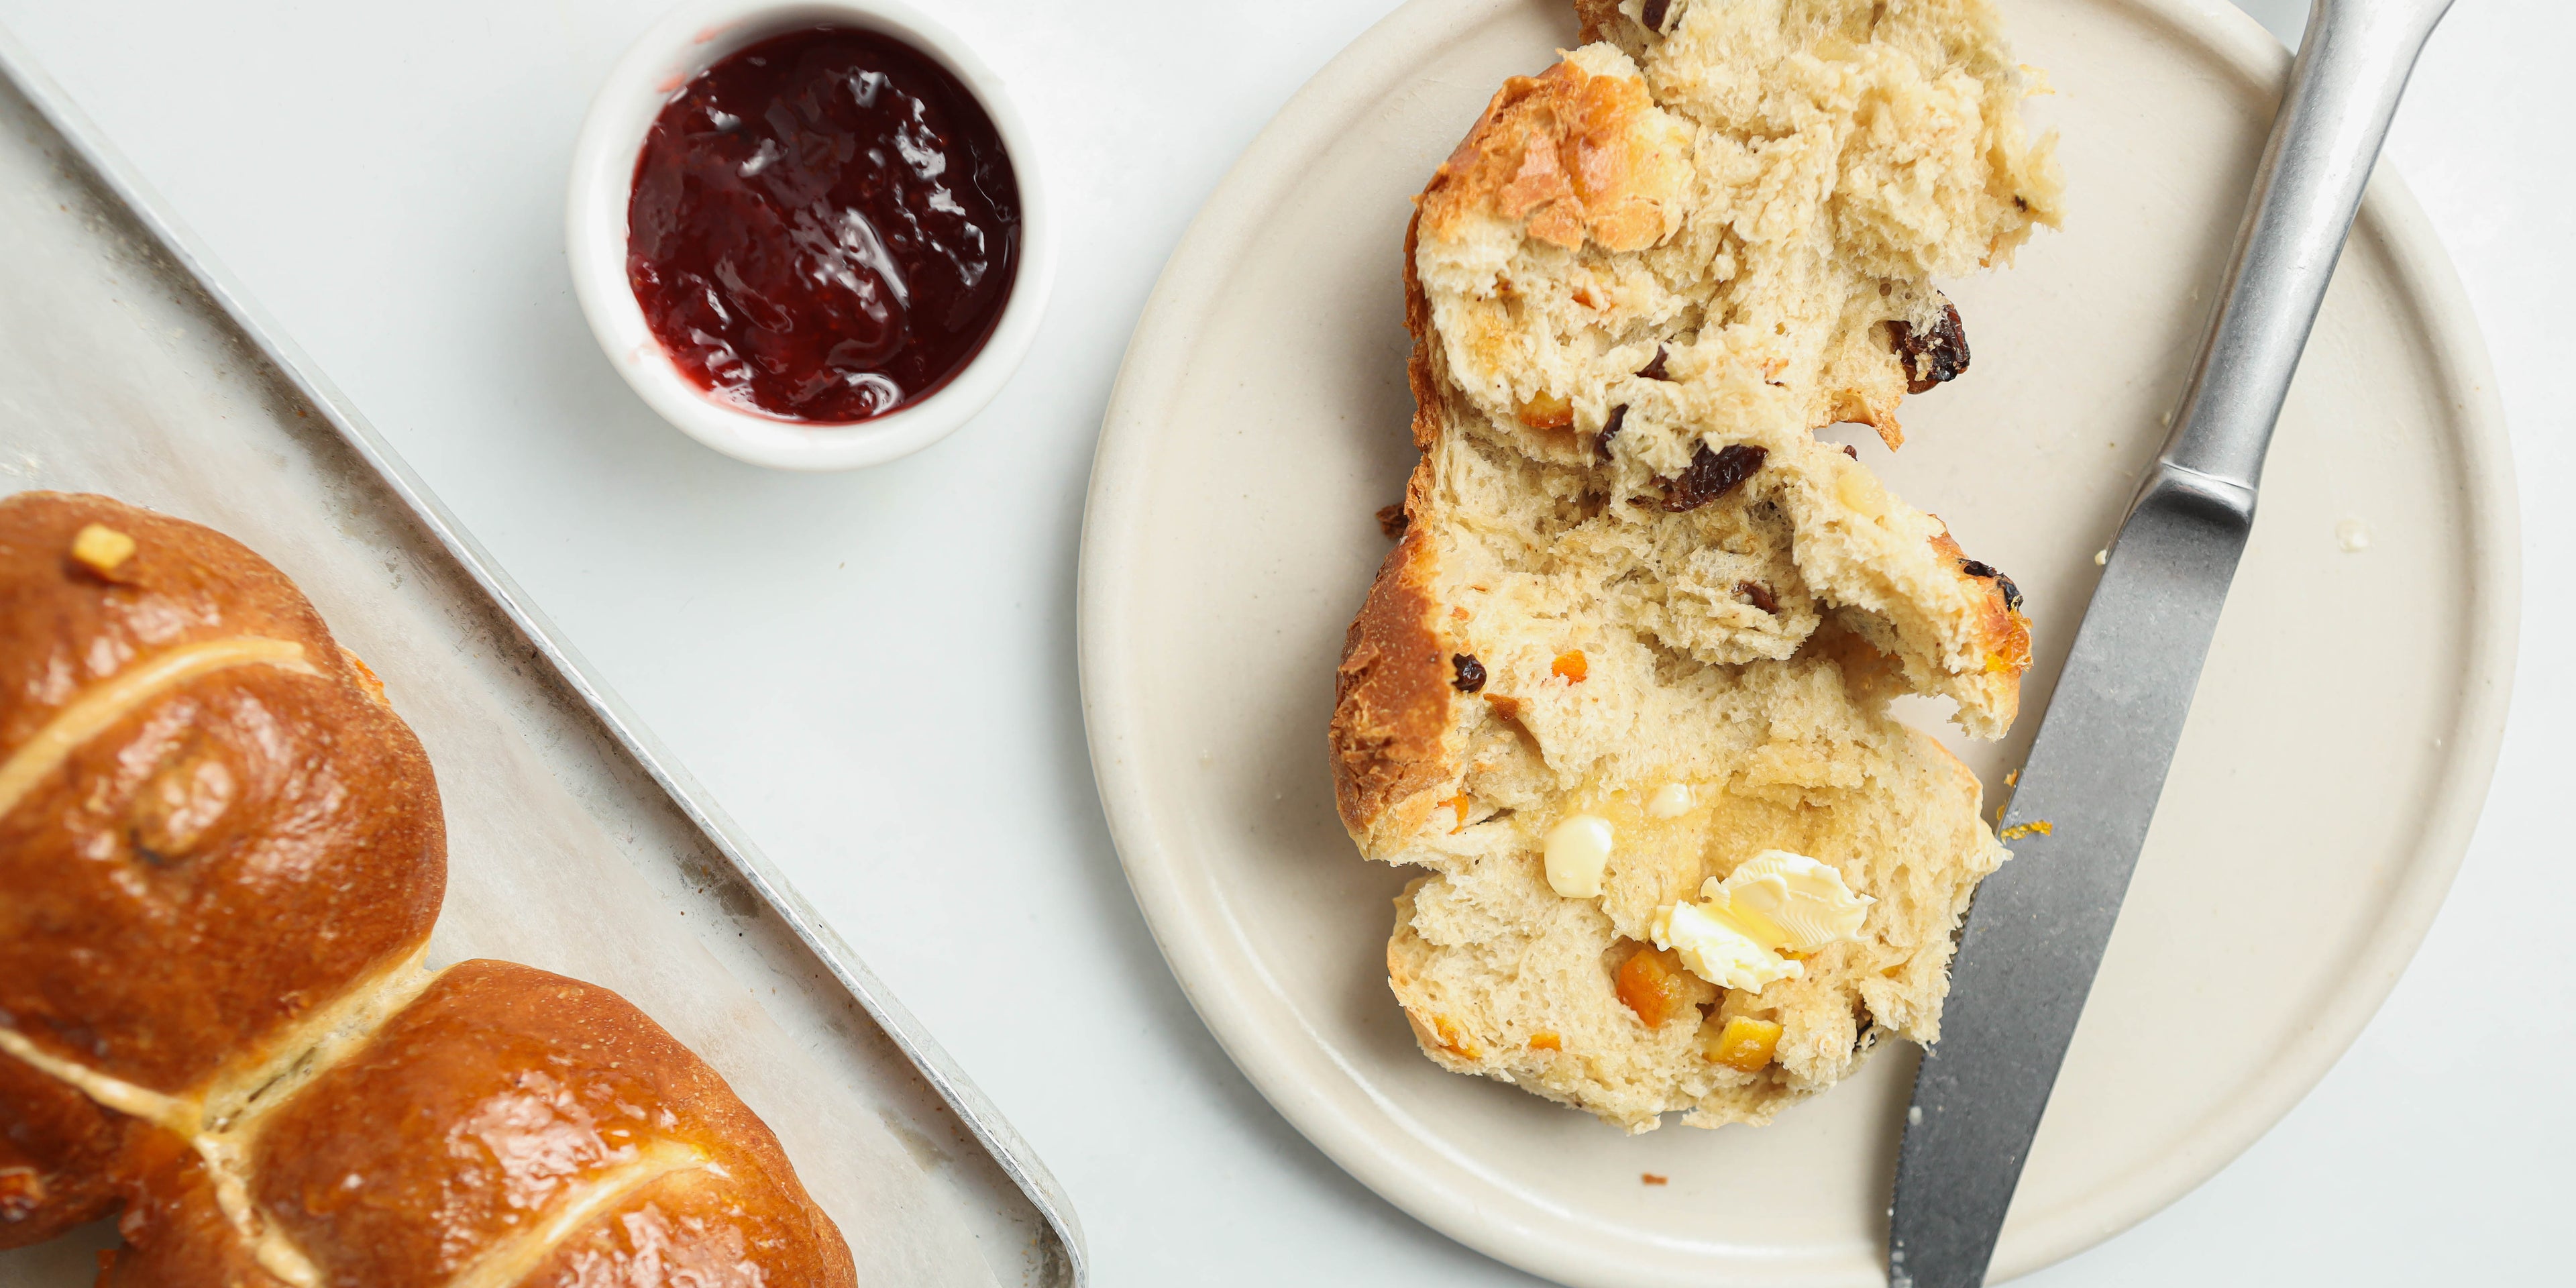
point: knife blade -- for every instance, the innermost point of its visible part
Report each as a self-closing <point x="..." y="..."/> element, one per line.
<point x="2087" y="794"/>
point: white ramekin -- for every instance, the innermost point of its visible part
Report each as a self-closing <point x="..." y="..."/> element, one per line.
<point x="603" y="176"/>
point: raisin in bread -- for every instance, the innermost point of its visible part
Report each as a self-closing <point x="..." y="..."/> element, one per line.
<point x="1627" y="563"/>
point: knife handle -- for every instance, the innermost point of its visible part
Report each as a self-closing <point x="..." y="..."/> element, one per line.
<point x="2352" y="65"/>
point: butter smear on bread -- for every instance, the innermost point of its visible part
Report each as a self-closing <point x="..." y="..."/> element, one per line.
<point x="1776" y="902"/>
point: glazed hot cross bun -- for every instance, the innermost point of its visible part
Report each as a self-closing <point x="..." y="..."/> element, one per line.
<point x="212" y="829"/>
<point x="506" y="1127"/>
<point x="221" y="855"/>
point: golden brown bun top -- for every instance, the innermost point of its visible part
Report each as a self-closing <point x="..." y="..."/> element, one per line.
<point x="1569" y="155"/>
<point x="511" y="1127"/>
<point x="232" y="844"/>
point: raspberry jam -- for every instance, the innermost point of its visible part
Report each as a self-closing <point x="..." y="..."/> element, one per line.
<point x="824" y="226"/>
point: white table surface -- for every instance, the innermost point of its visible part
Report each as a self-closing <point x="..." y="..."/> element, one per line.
<point x="875" y="671"/>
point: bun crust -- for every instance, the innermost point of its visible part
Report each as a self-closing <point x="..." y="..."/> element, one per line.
<point x="510" y="1127"/>
<point x="149" y="869"/>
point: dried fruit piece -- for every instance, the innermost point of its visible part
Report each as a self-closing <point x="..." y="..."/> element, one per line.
<point x="1470" y="672"/>
<point x="1983" y="571"/>
<point x="1931" y="357"/>
<point x="102" y="549"/>
<point x="1746" y="1045"/>
<point x="1653" y="15"/>
<point x="1653" y="984"/>
<point x="1391" y="520"/>
<point x="1851" y="451"/>
<point x="367" y="681"/>
<point x="1458" y="806"/>
<point x="1507" y="708"/>
<point x="1610" y="430"/>
<point x="1655" y="370"/>
<point x="1546" y="1040"/>
<point x="1710" y="475"/>
<point x="1452" y="1040"/>
<point x="1759" y="596"/>
<point x="1546" y="410"/>
<point x="1651" y="1178"/>
<point x="1572" y="665"/>
<point x="178" y="807"/>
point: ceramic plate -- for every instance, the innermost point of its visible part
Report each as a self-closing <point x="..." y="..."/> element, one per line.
<point x="2325" y="787"/>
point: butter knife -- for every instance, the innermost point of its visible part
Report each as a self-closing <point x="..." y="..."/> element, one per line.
<point x="2088" y="791"/>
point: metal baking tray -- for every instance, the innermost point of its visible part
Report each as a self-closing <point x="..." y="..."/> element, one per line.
<point x="130" y="364"/>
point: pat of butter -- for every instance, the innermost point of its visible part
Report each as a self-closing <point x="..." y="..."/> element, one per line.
<point x="1716" y="947"/>
<point x="1672" y="800"/>
<point x="1577" y="850"/>
<point x="1775" y="901"/>
<point x="1805" y="899"/>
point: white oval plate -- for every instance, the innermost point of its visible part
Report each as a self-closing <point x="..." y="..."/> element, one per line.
<point x="2323" y="792"/>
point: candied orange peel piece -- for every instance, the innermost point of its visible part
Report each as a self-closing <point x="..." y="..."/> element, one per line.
<point x="1546" y="410"/>
<point x="101" y="549"/>
<point x="1654" y="984"/>
<point x="1746" y="1045"/>
<point x="1457" y="805"/>
<point x="1453" y="1041"/>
